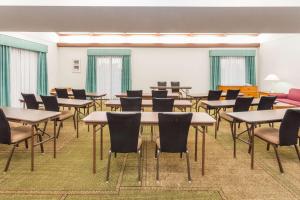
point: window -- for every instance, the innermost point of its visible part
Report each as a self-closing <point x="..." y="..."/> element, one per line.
<point x="233" y="71"/>
<point x="23" y="74"/>
<point x="109" y="73"/>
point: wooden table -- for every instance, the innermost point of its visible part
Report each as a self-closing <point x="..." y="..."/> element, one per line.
<point x="94" y="96"/>
<point x="149" y="95"/>
<point x="254" y="118"/>
<point x="181" y="104"/>
<point x="201" y="96"/>
<point x="70" y="103"/>
<point x="33" y="118"/>
<point x="149" y="118"/>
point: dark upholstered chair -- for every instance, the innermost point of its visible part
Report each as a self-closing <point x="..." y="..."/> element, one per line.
<point x="159" y="93"/>
<point x="266" y="102"/>
<point x="135" y="93"/>
<point x="163" y="104"/>
<point x="79" y="94"/>
<point x="173" y="134"/>
<point x="124" y="136"/>
<point x="161" y="83"/>
<point x="286" y="135"/>
<point x="213" y="95"/>
<point x="242" y="104"/>
<point x="51" y="104"/>
<point x="30" y="101"/>
<point x="62" y="93"/>
<point x="232" y="94"/>
<point x="175" y="84"/>
<point x="131" y="104"/>
<point x="14" y="136"/>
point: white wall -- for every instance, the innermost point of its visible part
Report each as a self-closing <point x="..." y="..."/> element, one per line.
<point x="281" y="57"/>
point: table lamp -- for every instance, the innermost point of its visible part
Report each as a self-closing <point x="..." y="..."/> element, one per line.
<point x="272" y="78"/>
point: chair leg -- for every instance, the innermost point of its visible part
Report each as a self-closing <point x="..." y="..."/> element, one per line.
<point x="108" y="166"/>
<point x="188" y="166"/>
<point x="157" y="165"/>
<point x="268" y="146"/>
<point x="297" y="151"/>
<point x="26" y="144"/>
<point x="155" y="153"/>
<point x="115" y="154"/>
<point x="9" y="158"/>
<point x="278" y="159"/>
<point x="139" y="165"/>
<point x="74" y="120"/>
<point x="41" y="144"/>
<point x="151" y="133"/>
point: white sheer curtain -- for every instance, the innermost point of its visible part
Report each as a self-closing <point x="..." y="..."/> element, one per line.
<point x="109" y="73"/>
<point x="23" y="74"/>
<point x="233" y="71"/>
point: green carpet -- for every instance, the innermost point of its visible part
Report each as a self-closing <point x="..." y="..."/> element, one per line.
<point x="70" y="176"/>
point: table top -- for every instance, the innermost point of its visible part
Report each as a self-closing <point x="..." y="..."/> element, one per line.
<point x="225" y="103"/>
<point x="88" y="94"/>
<point x="148" y="103"/>
<point x="171" y="87"/>
<point x="29" y="116"/>
<point x="199" y="118"/>
<point x="259" y="116"/>
<point x="149" y="95"/>
<point x="205" y="95"/>
<point x="66" y="102"/>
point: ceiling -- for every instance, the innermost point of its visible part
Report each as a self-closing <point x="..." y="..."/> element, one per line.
<point x="150" y="19"/>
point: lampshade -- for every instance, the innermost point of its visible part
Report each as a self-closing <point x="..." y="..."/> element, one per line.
<point x="272" y="77"/>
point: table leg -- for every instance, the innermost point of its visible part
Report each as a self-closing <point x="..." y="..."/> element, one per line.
<point x="101" y="142"/>
<point x="32" y="148"/>
<point x="196" y="143"/>
<point x="101" y="103"/>
<point x="94" y="149"/>
<point x="94" y="100"/>
<point x="252" y="146"/>
<point x="54" y="139"/>
<point x="234" y="139"/>
<point x="203" y="150"/>
<point x="77" y="122"/>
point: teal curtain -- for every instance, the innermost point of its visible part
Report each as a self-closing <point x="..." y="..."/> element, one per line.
<point x="215" y="72"/>
<point x="126" y="74"/>
<point x="42" y="74"/>
<point x="4" y="76"/>
<point x="250" y="70"/>
<point x="91" y="75"/>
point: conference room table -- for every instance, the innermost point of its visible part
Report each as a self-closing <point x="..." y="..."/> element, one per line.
<point x="33" y="118"/>
<point x="254" y="118"/>
<point x="94" y="96"/>
<point x="201" y="96"/>
<point x="149" y="95"/>
<point x="77" y="104"/>
<point x="184" y="89"/>
<point x="200" y="122"/>
<point x="115" y="104"/>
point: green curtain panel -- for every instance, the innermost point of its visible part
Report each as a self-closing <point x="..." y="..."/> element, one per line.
<point x="250" y="70"/>
<point x="91" y="75"/>
<point x="215" y="72"/>
<point x="4" y="76"/>
<point x="42" y="74"/>
<point x="126" y="74"/>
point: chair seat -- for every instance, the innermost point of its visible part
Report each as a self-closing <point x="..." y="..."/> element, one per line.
<point x="270" y="135"/>
<point x="20" y="133"/>
<point x="65" y="115"/>
<point x="224" y="115"/>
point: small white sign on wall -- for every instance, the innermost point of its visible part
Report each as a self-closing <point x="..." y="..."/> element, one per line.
<point x="76" y="66"/>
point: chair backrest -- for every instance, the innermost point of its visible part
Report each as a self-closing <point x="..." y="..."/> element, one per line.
<point x="161" y="83"/>
<point x="5" y="135"/>
<point x="79" y="94"/>
<point x="242" y="104"/>
<point x="50" y="103"/>
<point x="62" y="93"/>
<point x="135" y="93"/>
<point x="266" y="102"/>
<point x="288" y="131"/>
<point x="131" y="103"/>
<point x="159" y="93"/>
<point x="30" y="101"/>
<point x="173" y="131"/>
<point x="124" y="131"/>
<point x="214" y="95"/>
<point x="163" y="104"/>
<point x="232" y="94"/>
<point x="175" y="84"/>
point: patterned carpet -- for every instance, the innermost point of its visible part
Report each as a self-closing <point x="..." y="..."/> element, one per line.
<point x="70" y="176"/>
